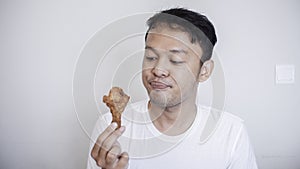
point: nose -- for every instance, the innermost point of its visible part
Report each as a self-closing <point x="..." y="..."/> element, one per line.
<point x="160" y="69"/>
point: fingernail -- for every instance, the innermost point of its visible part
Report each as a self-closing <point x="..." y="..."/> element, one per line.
<point x="122" y="129"/>
<point x="114" y="125"/>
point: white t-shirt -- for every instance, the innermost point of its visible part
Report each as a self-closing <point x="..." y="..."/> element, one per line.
<point x="226" y="146"/>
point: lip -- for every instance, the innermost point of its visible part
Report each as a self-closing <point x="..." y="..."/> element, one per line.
<point x="156" y="85"/>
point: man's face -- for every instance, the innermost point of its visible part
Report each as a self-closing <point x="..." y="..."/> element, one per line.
<point x="171" y="66"/>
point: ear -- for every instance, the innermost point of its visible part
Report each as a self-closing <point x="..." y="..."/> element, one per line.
<point x="206" y="70"/>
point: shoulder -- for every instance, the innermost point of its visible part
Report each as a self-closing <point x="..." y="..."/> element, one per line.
<point x="221" y="116"/>
<point x="220" y="124"/>
<point x="231" y="119"/>
<point x="230" y="124"/>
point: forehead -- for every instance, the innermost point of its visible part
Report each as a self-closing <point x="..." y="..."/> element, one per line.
<point x="166" y="38"/>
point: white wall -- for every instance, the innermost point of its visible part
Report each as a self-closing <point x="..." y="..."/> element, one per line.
<point x="41" y="41"/>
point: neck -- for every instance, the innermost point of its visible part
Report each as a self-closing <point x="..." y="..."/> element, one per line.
<point x="173" y="120"/>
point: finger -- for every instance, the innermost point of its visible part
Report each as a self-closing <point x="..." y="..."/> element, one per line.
<point x="113" y="154"/>
<point x="101" y="138"/>
<point x="111" y="140"/>
<point x="123" y="161"/>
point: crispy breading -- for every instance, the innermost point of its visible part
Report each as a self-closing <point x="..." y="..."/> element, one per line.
<point x="116" y="101"/>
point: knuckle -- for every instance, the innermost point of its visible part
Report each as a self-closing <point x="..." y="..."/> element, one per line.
<point x="105" y="147"/>
<point x="99" y="163"/>
<point x="111" y="157"/>
<point x="94" y="154"/>
<point x="100" y="140"/>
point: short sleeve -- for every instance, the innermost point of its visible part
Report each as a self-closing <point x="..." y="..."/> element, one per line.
<point x="242" y="155"/>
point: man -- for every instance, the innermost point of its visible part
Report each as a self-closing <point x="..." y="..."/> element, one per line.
<point x="165" y="131"/>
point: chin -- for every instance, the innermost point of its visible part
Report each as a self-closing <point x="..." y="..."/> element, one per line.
<point x="161" y="100"/>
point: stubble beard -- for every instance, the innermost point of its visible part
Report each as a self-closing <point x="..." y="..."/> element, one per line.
<point x="163" y="100"/>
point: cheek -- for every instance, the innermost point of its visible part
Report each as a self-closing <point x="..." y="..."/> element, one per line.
<point x="147" y="65"/>
<point x="185" y="75"/>
<point x="146" y="71"/>
<point x="145" y="75"/>
<point x="194" y="70"/>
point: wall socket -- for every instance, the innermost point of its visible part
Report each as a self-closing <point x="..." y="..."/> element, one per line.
<point x="285" y="74"/>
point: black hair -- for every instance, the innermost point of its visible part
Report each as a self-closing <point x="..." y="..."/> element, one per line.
<point x="198" y="26"/>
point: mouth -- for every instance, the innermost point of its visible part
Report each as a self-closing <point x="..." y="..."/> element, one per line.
<point x="156" y="85"/>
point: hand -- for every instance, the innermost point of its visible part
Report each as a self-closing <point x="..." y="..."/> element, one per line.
<point x="107" y="150"/>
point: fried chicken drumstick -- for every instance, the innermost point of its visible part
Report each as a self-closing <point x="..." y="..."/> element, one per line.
<point x="116" y="101"/>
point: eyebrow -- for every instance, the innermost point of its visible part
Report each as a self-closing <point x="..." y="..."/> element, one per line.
<point x="149" y="47"/>
<point x="174" y="51"/>
<point x="178" y="51"/>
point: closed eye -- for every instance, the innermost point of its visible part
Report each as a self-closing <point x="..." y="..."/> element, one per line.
<point x="176" y="62"/>
<point x="150" y="58"/>
<point x="176" y="59"/>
